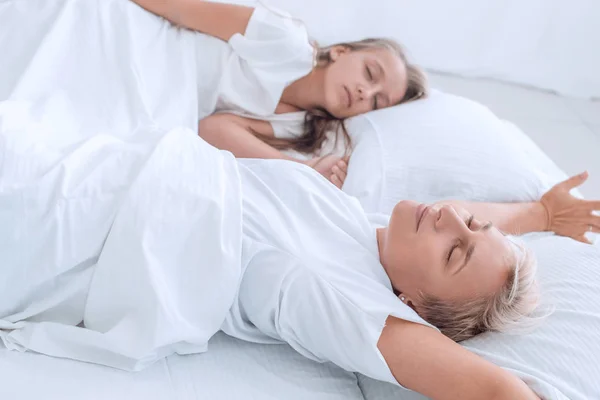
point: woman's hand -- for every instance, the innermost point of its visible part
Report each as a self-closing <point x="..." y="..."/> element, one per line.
<point x="568" y="215"/>
<point x="332" y="167"/>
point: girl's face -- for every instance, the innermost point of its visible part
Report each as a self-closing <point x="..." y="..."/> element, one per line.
<point x="360" y="81"/>
<point x="443" y="252"/>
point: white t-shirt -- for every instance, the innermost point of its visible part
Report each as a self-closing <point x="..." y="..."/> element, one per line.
<point x="247" y="75"/>
<point x="312" y="276"/>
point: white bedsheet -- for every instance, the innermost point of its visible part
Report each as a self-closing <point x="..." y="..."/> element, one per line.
<point x="230" y="370"/>
<point x="94" y="66"/>
<point x="140" y="239"/>
<point x="90" y="67"/>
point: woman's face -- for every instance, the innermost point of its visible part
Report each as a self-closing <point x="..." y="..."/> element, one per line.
<point x="441" y="251"/>
<point x="360" y="81"/>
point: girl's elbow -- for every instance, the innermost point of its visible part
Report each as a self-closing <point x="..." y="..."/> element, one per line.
<point x="210" y="126"/>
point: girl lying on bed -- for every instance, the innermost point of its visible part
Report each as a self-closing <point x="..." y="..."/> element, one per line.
<point x="273" y="90"/>
<point x="119" y="253"/>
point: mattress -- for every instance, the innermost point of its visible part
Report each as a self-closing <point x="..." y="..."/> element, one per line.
<point x="231" y="369"/>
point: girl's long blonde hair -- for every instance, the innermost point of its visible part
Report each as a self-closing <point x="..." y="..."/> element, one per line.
<point x="319" y="123"/>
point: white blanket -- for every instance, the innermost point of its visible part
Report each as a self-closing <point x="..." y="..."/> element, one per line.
<point x="97" y="67"/>
<point x="140" y="239"/>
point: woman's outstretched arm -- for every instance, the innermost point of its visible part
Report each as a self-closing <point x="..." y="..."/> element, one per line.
<point x="510" y="218"/>
<point x="427" y="362"/>
<point x="215" y="19"/>
<point x="557" y="211"/>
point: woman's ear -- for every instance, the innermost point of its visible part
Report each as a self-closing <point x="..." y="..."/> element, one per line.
<point x="407" y="300"/>
<point x="337" y="51"/>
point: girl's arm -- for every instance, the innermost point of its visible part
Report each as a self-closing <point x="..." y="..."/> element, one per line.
<point x="215" y="19"/>
<point x="426" y="361"/>
<point x="238" y="135"/>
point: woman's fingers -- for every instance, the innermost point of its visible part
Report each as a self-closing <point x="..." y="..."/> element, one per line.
<point x="578" y="232"/>
<point x="574" y="181"/>
<point x="588" y="228"/>
<point x="588" y="220"/>
<point x="592" y="205"/>
<point x="583" y="239"/>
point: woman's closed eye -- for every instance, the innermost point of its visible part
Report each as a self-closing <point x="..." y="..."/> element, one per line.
<point x="454" y="247"/>
<point x="469" y="223"/>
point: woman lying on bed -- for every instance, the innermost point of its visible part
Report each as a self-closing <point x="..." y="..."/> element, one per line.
<point x="122" y="253"/>
<point x="340" y="286"/>
<point x="273" y="90"/>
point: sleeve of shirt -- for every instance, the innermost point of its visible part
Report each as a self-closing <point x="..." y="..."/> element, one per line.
<point x="324" y="324"/>
<point x="274" y="52"/>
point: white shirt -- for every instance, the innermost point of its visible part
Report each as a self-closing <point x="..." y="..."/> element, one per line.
<point x="311" y="270"/>
<point x="248" y="75"/>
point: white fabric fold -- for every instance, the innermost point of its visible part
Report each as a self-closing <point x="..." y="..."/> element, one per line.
<point x="140" y="239"/>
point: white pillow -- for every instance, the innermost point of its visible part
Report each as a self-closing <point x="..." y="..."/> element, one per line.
<point x="451" y="147"/>
<point x="443" y="147"/>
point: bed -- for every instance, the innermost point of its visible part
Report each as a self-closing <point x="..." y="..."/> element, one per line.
<point x="96" y="66"/>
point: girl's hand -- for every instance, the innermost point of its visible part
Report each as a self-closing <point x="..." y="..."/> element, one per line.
<point x="567" y="215"/>
<point x="332" y="167"/>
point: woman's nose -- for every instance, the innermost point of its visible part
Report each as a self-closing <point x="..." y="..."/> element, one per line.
<point x="451" y="220"/>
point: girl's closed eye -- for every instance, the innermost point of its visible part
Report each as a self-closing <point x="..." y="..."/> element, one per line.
<point x="369" y="73"/>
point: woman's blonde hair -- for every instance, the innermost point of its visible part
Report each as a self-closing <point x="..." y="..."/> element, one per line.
<point x="318" y="123"/>
<point x="511" y="308"/>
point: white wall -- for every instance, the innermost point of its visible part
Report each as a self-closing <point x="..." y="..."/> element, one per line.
<point x="549" y="44"/>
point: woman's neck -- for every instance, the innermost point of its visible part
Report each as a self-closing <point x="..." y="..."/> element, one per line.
<point x="307" y="92"/>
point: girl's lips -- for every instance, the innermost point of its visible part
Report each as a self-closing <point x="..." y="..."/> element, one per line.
<point x="349" y="100"/>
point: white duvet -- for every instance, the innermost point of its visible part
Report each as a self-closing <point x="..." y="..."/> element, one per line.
<point x="140" y="239"/>
<point x="86" y="68"/>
